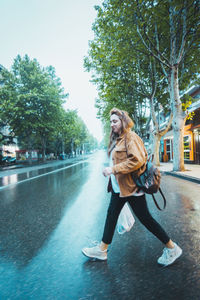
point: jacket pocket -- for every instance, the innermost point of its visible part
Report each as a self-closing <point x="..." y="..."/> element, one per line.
<point x="120" y="155"/>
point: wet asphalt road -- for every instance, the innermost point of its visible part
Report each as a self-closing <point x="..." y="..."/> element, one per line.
<point x="46" y="221"/>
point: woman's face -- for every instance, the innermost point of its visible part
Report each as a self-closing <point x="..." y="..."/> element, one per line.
<point x="115" y="124"/>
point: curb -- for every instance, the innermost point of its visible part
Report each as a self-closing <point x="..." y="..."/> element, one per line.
<point x="184" y="177"/>
<point x="11" y="168"/>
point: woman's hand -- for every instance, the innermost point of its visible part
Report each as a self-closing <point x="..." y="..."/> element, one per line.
<point x="107" y="171"/>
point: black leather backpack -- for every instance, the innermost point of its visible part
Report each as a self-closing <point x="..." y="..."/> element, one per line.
<point x="149" y="180"/>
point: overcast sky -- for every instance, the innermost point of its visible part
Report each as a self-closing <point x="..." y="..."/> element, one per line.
<point x="55" y="32"/>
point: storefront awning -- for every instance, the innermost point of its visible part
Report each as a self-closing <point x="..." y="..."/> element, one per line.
<point x="195" y="127"/>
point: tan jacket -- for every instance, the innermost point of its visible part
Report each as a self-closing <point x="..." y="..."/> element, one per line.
<point x="125" y="163"/>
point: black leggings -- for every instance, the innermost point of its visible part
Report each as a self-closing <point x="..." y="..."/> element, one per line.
<point x="140" y="209"/>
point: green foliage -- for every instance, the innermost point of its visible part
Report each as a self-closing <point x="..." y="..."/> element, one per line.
<point x="186" y="102"/>
<point x="31" y="104"/>
<point x="30" y="99"/>
<point x="72" y="134"/>
<point x="121" y="71"/>
<point x="135" y="46"/>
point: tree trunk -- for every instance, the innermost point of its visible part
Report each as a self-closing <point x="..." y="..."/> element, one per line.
<point x="178" y="122"/>
<point x="63" y="147"/>
<point x="43" y="149"/>
<point x="157" y="134"/>
<point x="43" y="154"/>
<point x="155" y="148"/>
<point x="29" y="152"/>
<point x="178" y="151"/>
<point x="72" y="147"/>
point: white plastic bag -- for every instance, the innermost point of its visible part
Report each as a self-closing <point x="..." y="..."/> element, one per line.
<point x="125" y="220"/>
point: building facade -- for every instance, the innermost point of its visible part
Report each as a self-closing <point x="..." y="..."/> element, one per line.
<point x="191" y="137"/>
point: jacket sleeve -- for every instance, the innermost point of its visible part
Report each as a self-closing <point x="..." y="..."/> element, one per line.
<point x="136" y="157"/>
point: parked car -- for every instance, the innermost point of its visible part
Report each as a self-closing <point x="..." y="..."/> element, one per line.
<point x="11" y="160"/>
<point x="8" y="160"/>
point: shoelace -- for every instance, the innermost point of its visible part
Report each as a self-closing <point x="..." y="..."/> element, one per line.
<point x="166" y="253"/>
<point x="96" y="243"/>
<point x="92" y="242"/>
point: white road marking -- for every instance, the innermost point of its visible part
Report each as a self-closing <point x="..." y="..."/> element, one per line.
<point x="38" y="176"/>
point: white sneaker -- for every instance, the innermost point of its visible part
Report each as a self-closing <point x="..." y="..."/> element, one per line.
<point x="170" y="255"/>
<point x="95" y="252"/>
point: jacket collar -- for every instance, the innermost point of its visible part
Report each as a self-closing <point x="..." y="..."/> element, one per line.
<point x="122" y="135"/>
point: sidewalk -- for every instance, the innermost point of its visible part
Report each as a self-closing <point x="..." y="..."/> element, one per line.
<point x="191" y="173"/>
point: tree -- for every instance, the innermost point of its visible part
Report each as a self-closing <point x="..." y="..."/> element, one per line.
<point x="114" y="71"/>
<point x="31" y="101"/>
<point x="154" y="89"/>
<point x="166" y="30"/>
<point x="125" y="77"/>
<point x="169" y="31"/>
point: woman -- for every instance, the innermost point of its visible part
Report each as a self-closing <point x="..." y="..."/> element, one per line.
<point x="128" y="154"/>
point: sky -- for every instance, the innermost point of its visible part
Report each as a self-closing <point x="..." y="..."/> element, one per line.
<point x="55" y="32"/>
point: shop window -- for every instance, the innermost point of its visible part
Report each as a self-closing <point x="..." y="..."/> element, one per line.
<point x="186" y="142"/>
<point x="168" y="147"/>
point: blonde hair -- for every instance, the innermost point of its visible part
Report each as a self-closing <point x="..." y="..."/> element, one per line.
<point x="127" y="124"/>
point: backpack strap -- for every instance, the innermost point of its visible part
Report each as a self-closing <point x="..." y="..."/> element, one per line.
<point x="154" y="199"/>
<point x="125" y="142"/>
<point x="164" y="200"/>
